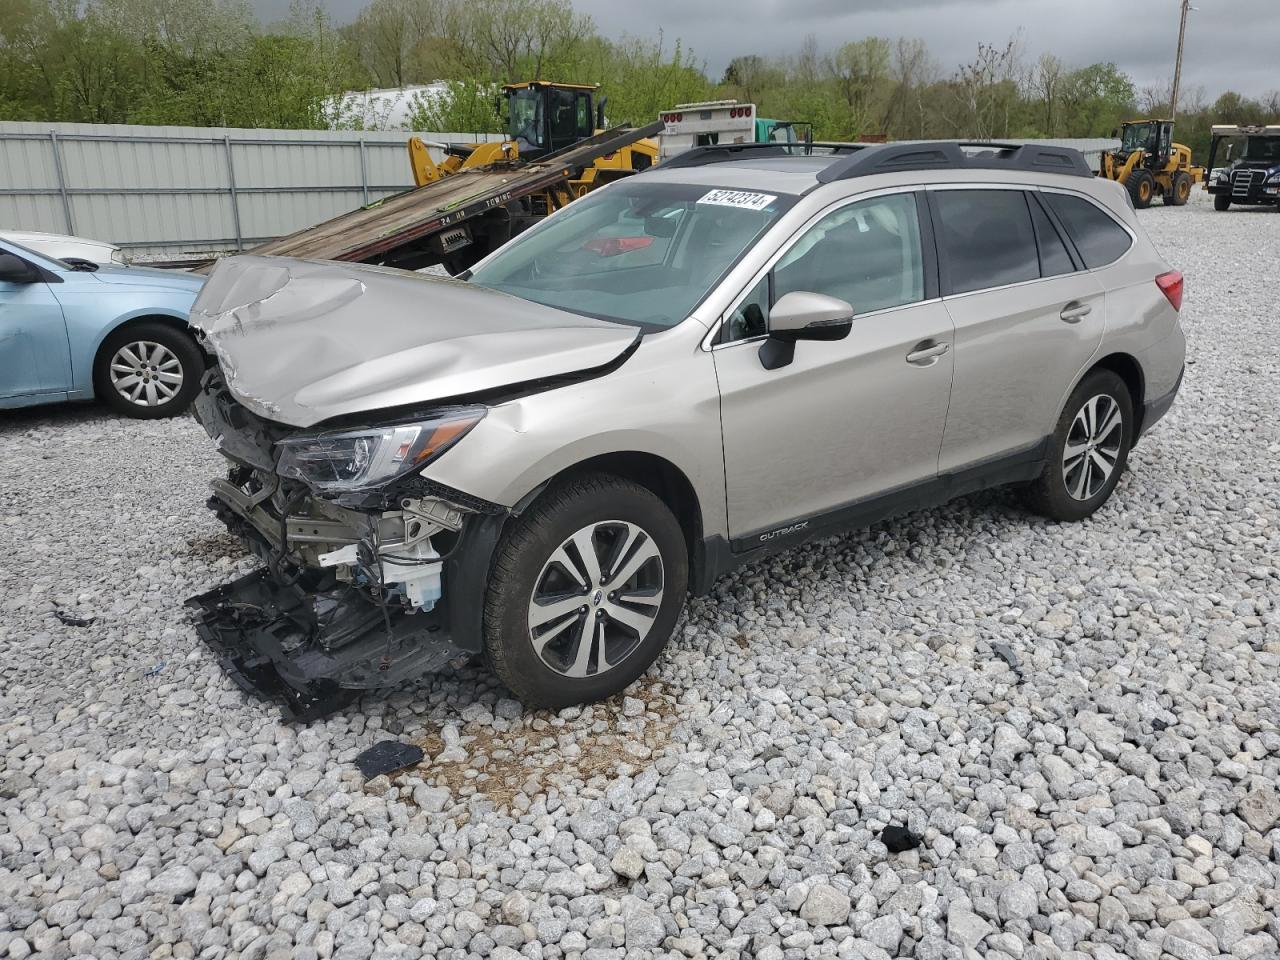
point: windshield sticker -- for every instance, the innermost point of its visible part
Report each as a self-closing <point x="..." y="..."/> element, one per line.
<point x="743" y="199"/>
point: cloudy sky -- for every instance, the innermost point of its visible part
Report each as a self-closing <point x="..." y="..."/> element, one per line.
<point x="1231" y="44"/>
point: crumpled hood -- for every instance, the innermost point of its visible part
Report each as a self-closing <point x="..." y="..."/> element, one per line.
<point x="301" y="341"/>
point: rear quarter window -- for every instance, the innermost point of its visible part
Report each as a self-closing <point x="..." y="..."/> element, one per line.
<point x="1098" y="238"/>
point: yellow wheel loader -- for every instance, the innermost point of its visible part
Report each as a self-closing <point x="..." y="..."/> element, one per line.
<point x="541" y="118"/>
<point x="1150" y="164"/>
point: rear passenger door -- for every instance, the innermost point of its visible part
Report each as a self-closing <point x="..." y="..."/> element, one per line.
<point x="1027" y="316"/>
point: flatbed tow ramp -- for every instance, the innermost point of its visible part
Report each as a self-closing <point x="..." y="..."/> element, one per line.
<point x="458" y="219"/>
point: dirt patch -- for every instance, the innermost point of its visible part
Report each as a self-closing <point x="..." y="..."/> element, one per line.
<point x="543" y="750"/>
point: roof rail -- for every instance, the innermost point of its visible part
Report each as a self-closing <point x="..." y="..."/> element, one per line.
<point x="957" y="155"/>
<point x="724" y="152"/>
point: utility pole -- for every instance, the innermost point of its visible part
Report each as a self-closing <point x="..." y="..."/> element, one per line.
<point x="1177" y="66"/>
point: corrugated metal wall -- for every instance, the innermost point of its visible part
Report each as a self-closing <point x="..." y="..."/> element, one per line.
<point x="167" y="190"/>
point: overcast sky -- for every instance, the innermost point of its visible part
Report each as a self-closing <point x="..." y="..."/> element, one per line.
<point x="1231" y="44"/>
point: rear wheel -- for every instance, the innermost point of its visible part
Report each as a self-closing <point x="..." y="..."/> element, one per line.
<point x="148" y="370"/>
<point x="586" y="589"/>
<point x="1142" y="188"/>
<point x="1221" y="201"/>
<point x="1088" y="450"/>
<point x="1179" y="190"/>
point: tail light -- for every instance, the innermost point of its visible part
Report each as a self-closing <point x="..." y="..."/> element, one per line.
<point x="1171" y="285"/>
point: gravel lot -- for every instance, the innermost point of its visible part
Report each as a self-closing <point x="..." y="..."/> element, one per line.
<point x="1115" y="794"/>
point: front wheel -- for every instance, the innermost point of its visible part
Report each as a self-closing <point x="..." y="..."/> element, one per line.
<point x="148" y="370"/>
<point x="1142" y="188"/>
<point x="585" y="592"/>
<point x="1221" y="202"/>
<point x="1088" y="450"/>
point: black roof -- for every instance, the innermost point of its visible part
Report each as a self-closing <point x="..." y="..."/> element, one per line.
<point x="848" y="160"/>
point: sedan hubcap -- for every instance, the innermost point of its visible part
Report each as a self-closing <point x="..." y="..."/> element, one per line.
<point x="146" y="373"/>
<point x="596" y="599"/>
<point x="1093" y="447"/>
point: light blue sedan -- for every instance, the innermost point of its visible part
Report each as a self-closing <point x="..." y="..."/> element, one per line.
<point x="75" y="330"/>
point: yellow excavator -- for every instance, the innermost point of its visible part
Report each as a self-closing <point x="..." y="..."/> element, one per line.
<point x="1150" y="163"/>
<point x="542" y="118"/>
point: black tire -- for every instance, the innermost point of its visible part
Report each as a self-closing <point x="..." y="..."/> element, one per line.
<point x="523" y="564"/>
<point x="1142" y="188"/>
<point x="1179" y="190"/>
<point x="1221" y="201"/>
<point x="180" y="346"/>
<point x="1049" y="495"/>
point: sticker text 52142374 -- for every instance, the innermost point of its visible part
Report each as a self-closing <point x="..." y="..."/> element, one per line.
<point x="744" y="199"/>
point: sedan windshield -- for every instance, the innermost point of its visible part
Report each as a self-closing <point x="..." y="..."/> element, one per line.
<point x="46" y="257"/>
<point x="642" y="252"/>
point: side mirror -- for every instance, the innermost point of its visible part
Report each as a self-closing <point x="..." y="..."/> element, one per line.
<point x="600" y="113"/>
<point x="1230" y="148"/>
<point x="498" y="108"/>
<point x="801" y="315"/>
<point x="1115" y="133"/>
<point x="16" y="270"/>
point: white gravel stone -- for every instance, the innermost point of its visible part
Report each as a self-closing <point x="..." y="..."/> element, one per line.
<point x="825" y="905"/>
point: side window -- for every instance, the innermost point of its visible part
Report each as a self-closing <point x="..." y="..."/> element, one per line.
<point x="1099" y="239"/>
<point x="867" y="253"/>
<point x="750" y="318"/>
<point x="584" y="116"/>
<point x="1054" y="258"/>
<point x="985" y="238"/>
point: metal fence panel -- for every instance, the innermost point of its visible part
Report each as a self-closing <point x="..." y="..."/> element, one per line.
<point x="165" y="190"/>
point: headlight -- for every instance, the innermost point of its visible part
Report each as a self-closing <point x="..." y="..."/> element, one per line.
<point x="1222" y="176"/>
<point x="1274" y="178"/>
<point x="351" y="460"/>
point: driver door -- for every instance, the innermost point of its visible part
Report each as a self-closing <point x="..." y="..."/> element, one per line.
<point x="848" y="420"/>
<point x="34" y="352"/>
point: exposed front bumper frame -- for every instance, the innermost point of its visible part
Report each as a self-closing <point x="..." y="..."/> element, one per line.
<point x="312" y="644"/>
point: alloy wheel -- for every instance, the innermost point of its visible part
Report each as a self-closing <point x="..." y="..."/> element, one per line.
<point x="146" y="373"/>
<point x="596" y="598"/>
<point x="1092" y="449"/>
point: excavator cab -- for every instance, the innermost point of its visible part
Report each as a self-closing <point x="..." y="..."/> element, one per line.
<point x="1153" y="137"/>
<point x="544" y="117"/>
<point x="540" y="118"/>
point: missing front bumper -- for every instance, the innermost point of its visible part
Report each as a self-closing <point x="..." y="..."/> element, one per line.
<point x="313" y="651"/>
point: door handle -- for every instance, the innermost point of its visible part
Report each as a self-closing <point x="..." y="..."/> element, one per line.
<point x="1075" y="311"/>
<point x="926" y="352"/>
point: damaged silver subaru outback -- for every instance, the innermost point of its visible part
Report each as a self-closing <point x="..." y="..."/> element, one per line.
<point x="678" y="373"/>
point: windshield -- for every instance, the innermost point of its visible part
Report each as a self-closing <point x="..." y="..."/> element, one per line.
<point x="643" y="253"/>
<point x="1262" y="148"/>
<point x="1136" y="136"/>
<point x="524" y="116"/>
<point x="40" y="256"/>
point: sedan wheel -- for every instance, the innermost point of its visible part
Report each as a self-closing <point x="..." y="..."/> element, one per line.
<point x="596" y="599"/>
<point x="146" y="373"/>
<point x="148" y="369"/>
<point x="1093" y="447"/>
